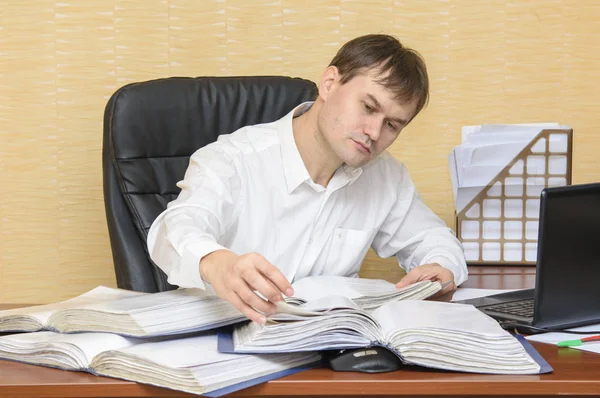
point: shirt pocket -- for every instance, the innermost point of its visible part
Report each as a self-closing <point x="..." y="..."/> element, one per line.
<point x="347" y="250"/>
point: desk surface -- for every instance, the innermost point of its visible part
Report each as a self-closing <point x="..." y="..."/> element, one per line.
<point x="575" y="373"/>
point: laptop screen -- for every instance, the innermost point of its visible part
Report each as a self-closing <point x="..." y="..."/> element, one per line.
<point x="568" y="271"/>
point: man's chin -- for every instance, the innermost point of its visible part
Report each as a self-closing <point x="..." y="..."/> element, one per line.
<point x="357" y="162"/>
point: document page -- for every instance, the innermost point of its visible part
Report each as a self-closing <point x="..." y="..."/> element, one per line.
<point x="97" y="295"/>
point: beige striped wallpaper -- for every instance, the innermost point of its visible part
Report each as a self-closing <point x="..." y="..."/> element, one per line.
<point x="489" y="62"/>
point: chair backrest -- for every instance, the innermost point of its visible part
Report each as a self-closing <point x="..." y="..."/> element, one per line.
<point x="150" y="131"/>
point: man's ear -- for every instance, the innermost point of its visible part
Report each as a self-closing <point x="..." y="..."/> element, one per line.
<point x="329" y="80"/>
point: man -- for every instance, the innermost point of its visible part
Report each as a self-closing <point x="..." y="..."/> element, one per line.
<point x="310" y="193"/>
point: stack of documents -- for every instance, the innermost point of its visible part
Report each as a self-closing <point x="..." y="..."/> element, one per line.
<point x="190" y="364"/>
<point x="182" y="311"/>
<point x="433" y="334"/>
<point x="170" y="339"/>
<point x="155" y="338"/>
<point x="498" y="174"/>
<point x="127" y="313"/>
<point x="165" y="313"/>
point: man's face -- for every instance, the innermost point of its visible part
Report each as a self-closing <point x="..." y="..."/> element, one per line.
<point x="361" y="118"/>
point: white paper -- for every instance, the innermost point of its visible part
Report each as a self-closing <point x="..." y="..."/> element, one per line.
<point x="316" y="287"/>
<point x="186" y="352"/>
<point x="556" y="337"/>
<point x="470" y="132"/>
<point x="163" y="313"/>
<point x="99" y="294"/>
<point x="465" y="293"/>
<point x="76" y="350"/>
<point x="487" y="149"/>
<point x="192" y="364"/>
<point x="417" y="315"/>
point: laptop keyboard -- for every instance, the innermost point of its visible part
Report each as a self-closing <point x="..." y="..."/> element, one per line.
<point x="522" y="308"/>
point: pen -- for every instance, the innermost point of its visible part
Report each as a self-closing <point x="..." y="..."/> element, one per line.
<point x="573" y="343"/>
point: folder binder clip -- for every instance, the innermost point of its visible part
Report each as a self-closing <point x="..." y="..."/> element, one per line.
<point x="500" y="224"/>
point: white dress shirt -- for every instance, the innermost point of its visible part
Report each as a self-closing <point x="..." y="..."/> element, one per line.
<point x="250" y="192"/>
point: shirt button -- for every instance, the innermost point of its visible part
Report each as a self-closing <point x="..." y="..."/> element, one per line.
<point x="310" y="240"/>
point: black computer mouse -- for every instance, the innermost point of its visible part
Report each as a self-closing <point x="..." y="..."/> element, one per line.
<point x="367" y="360"/>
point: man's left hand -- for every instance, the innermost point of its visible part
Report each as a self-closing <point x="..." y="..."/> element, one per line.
<point x="433" y="272"/>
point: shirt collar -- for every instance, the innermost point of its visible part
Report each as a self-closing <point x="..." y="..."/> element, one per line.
<point x="293" y="166"/>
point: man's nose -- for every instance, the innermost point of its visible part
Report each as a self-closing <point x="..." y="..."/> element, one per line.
<point x="373" y="129"/>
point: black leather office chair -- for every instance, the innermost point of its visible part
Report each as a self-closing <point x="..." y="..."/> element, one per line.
<point x="150" y="131"/>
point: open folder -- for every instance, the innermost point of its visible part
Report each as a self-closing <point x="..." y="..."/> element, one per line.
<point x="438" y="335"/>
<point x="498" y="174"/>
<point x="192" y="364"/>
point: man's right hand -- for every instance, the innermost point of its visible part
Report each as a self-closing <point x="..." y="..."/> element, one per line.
<point x="236" y="278"/>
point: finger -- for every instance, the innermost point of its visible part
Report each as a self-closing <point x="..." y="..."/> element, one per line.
<point x="416" y="275"/>
<point x="410" y="278"/>
<point x="428" y="276"/>
<point x="249" y="297"/>
<point x="439" y="274"/>
<point x="246" y="310"/>
<point x="450" y="288"/>
<point x="259" y="282"/>
<point x="275" y="277"/>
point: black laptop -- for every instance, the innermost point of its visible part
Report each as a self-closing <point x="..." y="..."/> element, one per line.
<point x="567" y="287"/>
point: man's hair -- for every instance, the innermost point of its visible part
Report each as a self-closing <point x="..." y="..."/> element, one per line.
<point x="407" y="77"/>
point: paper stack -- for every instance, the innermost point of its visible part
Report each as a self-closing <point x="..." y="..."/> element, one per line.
<point x="169" y="339"/>
<point x="498" y="174"/>
<point x="192" y="364"/>
<point x="432" y="334"/>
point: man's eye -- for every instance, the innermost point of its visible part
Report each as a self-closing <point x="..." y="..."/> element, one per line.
<point x="391" y="126"/>
<point x="369" y="108"/>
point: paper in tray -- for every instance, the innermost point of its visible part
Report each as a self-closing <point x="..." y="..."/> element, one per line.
<point x="499" y="224"/>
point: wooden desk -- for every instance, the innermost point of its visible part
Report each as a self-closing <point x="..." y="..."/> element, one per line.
<point x="500" y="277"/>
<point x="575" y="373"/>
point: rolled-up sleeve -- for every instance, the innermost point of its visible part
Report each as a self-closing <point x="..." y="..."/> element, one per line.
<point x="417" y="236"/>
<point x="190" y="227"/>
